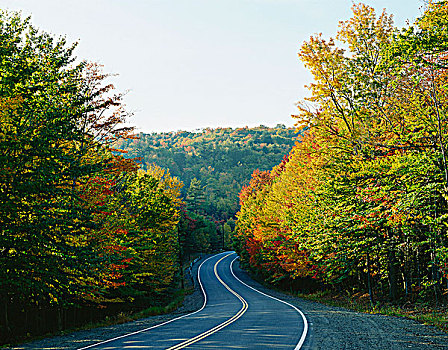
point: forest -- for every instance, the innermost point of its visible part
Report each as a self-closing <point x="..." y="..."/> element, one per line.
<point x="220" y="160"/>
<point x="84" y="232"/>
<point x="95" y="219"/>
<point x="360" y="203"/>
<point x="213" y="165"/>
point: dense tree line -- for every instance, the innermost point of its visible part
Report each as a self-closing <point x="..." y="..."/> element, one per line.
<point x="82" y="230"/>
<point x="213" y="164"/>
<point x="361" y="202"/>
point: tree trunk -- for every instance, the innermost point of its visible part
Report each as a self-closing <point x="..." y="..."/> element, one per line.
<point x="181" y="260"/>
<point x="393" y="276"/>
<point x="4" y="321"/>
<point x="59" y="313"/>
<point x="435" y="276"/>
<point x="369" y="280"/>
<point x="407" y="269"/>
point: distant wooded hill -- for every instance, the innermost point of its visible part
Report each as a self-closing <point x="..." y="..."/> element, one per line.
<point x="222" y="159"/>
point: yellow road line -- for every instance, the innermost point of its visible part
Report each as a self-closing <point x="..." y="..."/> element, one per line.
<point x="221" y="325"/>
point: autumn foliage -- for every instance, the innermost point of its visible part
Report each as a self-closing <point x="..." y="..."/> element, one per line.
<point x="361" y="201"/>
<point x="83" y="232"/>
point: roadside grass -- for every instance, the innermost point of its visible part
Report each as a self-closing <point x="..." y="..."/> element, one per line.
<point x="426" y="313"/>
<point x="124" y="317"/>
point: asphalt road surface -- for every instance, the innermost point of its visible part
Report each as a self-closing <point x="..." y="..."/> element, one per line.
<point x="234" y="316"/>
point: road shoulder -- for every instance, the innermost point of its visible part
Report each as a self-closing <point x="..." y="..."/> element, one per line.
<point x="338" y="328"/>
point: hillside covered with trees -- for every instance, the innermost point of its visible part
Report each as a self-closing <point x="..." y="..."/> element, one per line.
<point x="213" y="163"/>
<point x="360" y="203"/>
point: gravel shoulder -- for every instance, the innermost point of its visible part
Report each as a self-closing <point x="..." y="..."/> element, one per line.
<point x="330" y="327"/>
<point x="338" y="328"/>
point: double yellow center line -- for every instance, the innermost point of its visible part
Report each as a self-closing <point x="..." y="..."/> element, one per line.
<point x="221" y="325"/>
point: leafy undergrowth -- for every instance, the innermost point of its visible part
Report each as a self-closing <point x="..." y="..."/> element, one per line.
<point x="426" y="313"/>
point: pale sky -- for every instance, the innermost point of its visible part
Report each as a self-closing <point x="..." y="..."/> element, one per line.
<point x="201" y="63"/>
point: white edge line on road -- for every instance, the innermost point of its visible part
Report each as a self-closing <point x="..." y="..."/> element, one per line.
<point x="305" y="322"/>
<point x="222" y="325"/>
<point x="164" y="323"/>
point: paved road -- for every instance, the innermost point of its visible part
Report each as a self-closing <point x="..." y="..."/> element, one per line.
<point x="234" y="316"/>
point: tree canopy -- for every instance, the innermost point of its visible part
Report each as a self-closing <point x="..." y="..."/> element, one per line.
<point x="80" y="228"/>
<point x="360" y="202"/>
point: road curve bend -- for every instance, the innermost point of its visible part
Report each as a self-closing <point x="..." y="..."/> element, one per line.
<point x="234" y="316"/>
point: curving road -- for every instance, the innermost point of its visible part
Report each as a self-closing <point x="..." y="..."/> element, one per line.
<point x="234" y="316"/>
